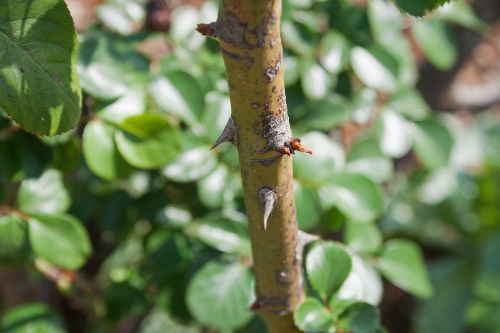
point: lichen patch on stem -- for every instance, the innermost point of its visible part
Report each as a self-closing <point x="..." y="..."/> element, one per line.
<point x="273" y="70"/>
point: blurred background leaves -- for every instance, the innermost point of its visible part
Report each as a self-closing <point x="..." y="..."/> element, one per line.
<point x="130" y="223"/>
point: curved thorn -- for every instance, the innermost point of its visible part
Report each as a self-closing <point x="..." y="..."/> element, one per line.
<point x="267" y="199"/>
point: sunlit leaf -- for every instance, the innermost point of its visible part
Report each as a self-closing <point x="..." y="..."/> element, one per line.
<point x="191" y="165"/>
<point x="312" y="316"/>
<point x="100" y="151"/>
<point x="327" y="264"/>
<point x="376" y="68"/>
<point x="356" y="196"/>
<point x="46" y="194"/>
<point x="227" y="289"/>
<point x="147" y="141"/>
<point x="59" y="239"/>
<point x="39" y="88"/>
<point x="401" y="262"/>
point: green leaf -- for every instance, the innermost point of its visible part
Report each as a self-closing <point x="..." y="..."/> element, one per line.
<point x="334" y="50"/>
<point x="219" y="295"/>
<point x="327" y="264"/>
<point x="363" y="284"/>
<point x="59" y="239"/>
<point x="433" y="143"/>
<point x="363" y="238"/>
<point x="179" y="93"/>
<point x="124" y="17"/>
<point x="14" y="240"/>
<point x="133" y="103"/>
<point x="409" y="103"/>
<point x="218" y="188"/>
<point x="316" y="82"/>
<point x="34" y="317"/>
<point x="375" y="68"/>
<point x="366" y="158"/>
<point x="387" y="26"/>
<point x="211" y="189"/>
<point x="323" y="114"/>
<point x="109" y="69"/>
<point x="401" y="263"/>
<point x="436" y="41"/>
<point x="356" y="196"/>
<point x="226" y="233"/>
<point x="360" y="318"/>
<point x="307" y="206"/>
<point x="394" y="133"/>
<point x="100" y="151"/>
<point x="437" y="185"/>
<point x="461" y="12"/>
<point x="419" y="8"/>
<point x="39" y="87"/>
<point x="312" y="316"/>
<point x="191" y="165"/>
<point x="147" y="141"/>
<point x="46" y="194"/>
<point x="386" y="22"/>
<point x="327" y="157"/>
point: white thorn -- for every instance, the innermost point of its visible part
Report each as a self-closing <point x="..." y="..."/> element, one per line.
<point x="267" y="199"/>
<point x="228" y="134"/>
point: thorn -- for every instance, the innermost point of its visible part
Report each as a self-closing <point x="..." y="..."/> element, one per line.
<point x="228" y="134"/>
<point x="207" y="29"/>
<point x="296" y="145"/>
<point x="267" y="199"/>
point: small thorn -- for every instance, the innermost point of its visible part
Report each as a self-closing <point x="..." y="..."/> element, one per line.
<point x="228" y="134"/>
<point x="296" y="145"/>
<point x="267" y="199"/>
<point x="207" y="29"/>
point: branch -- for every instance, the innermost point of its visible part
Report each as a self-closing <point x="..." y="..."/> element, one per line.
<point x="248" y="32"/>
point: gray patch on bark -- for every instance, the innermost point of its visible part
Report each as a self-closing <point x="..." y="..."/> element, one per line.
<point x="273" y="70"/>
<point x="265" y="161"/>
<point x="229" y="134"/>
<point x="267" y="199"/>
<point x="232" y="31"/>
<point x="276" y="126"/>
<point x="274" y="302"/>
<point x="247" y="60"/>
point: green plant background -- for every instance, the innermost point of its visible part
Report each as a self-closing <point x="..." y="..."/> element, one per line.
<point x="152" y="221"/>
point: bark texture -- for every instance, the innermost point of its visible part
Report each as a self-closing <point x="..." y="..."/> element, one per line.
<point x="248" y="32"/>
